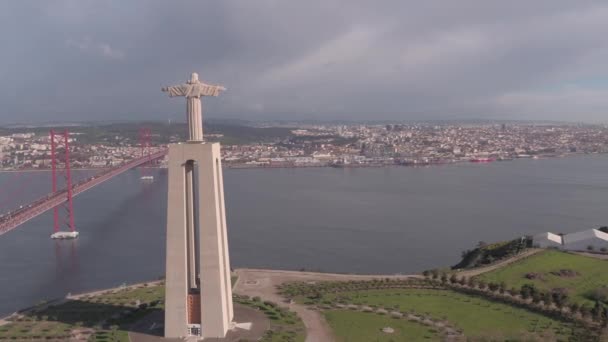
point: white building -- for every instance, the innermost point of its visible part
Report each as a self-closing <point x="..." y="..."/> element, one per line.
<point x="547" y="239"/>
<point x="580" y="241"/>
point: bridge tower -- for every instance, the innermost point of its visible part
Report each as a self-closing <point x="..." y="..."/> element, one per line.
<point x="60" y="141"/>
<point x="145" y="144"/>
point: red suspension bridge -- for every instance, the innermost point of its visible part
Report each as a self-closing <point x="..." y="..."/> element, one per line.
<point x="57" y="198"/>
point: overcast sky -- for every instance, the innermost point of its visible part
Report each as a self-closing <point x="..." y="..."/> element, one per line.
<point x="315" y="59"/>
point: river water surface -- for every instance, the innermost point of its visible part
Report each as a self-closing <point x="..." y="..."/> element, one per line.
<point x="365" y="220"/>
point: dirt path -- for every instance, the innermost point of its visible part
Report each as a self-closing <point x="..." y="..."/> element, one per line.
<point x="593" y="255"/>
<point x="263" y="283"/>
<point x="113" y="289"/>
<point x="477" y="271"/>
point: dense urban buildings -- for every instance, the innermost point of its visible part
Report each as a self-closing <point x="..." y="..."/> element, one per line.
<point x="330" y="145"/>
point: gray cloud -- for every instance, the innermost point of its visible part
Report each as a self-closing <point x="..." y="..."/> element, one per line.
<point x="90" y="60"/>
<point x="102" y="49"/>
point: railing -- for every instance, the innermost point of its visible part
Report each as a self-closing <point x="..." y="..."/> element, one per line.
<point x="17" y="217"/>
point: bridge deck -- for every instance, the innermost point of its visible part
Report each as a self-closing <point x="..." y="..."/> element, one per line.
<point x="15" y="218"/>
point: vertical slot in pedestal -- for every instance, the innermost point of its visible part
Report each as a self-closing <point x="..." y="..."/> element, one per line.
<point x="191" y="224"/>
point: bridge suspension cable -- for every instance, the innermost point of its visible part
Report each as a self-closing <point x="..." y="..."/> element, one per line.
<point x="15" y="218"/>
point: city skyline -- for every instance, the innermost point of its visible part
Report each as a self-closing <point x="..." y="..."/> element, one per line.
<point x="428" y="61"/>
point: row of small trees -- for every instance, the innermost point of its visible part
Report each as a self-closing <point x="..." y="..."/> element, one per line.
<point x="552" y="302"/>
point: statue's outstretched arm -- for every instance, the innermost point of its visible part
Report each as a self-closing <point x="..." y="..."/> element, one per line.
<point x="210" y="90"/>
<point x="179" y="90"/>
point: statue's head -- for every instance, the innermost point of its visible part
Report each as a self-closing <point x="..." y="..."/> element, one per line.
<point x="193" y="78"/>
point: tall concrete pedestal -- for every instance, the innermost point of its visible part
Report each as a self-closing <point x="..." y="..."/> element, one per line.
<point x="198" y="299"/>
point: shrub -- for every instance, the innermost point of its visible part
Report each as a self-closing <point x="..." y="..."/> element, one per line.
<point x="601" y="294"/>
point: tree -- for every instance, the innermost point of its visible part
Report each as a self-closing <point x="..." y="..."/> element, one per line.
<point x="453" y="278"/>
<point x="597" y="311"/>
<point x="585" y="311"/>
<point x="482" y="285"/>
<point x="503" y="287"/>
<point x="547" y="299"/>
<point x="601" y="294"/>
<point x="444" y="278"/>
<point x="574" y="308"/>
<point x="560" y="296"/>
<point x="527" y="290"/>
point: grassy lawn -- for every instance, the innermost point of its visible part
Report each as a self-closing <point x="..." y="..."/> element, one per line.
<point x="352" y="326"/>
<point x="118" y="309"/>
<point x="109" y="315"/>
<point x="592" y="274"/>
<point x="129" y="297"/>
<point x="285" y="325"/>
<point x="476" y="317"/>
<point x="29" y="329"/>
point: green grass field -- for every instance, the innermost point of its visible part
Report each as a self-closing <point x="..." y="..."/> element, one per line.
<point x="592" y="274"/>
<point x="285" y="325"/>
<point x="352" y="326"/>
<point x="57" y="322"/>
<point x="476" y="317"/>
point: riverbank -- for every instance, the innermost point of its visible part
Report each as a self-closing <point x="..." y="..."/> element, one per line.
<point x="69" y="296"/>
<point x="139" y="303"/>
<point x="403" y="162"/>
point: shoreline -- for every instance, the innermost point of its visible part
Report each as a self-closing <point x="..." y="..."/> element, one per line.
<point x="70" y="296"/>
<point x="340" y="166"/>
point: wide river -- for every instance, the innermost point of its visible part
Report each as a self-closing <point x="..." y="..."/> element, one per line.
<point x="366" y="220"/>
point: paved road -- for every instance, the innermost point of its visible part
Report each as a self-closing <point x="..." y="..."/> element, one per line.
<point x="479" y="270"/>
<point x="263" y="283"/>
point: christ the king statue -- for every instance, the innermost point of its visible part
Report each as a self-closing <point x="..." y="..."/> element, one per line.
<point x="193" y="90"/>
<point x="198" y="295"/>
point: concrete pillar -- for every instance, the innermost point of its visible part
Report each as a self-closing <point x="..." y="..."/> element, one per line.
<point x="176" y="279"/>
<point x="225" y="238"/>
<point x="214" y="264"/>
<point x="215" y="311"/>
